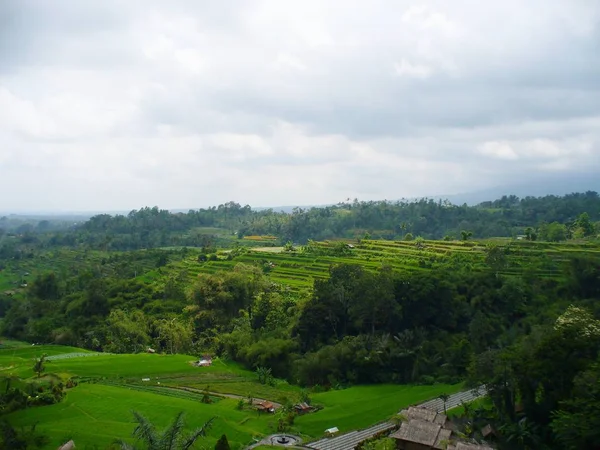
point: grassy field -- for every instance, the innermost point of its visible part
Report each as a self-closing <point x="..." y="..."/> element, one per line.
<point x="94" y="415"/>
<point x="484" y="403"/>
<point x="96" y="412"/>
<point x="362" y="406"/>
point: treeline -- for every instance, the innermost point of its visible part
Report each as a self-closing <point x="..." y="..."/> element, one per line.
<point x="153" y="227"/>
<point x="357" y="326"/>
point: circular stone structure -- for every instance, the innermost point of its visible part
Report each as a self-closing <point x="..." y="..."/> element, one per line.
<point x="284" y="440"/>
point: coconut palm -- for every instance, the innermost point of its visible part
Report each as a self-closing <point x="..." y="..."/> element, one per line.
<point x="444" y="397"/>
<point x="172" y="438"/>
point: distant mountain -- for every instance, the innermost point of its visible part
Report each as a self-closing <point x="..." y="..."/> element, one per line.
<point x="533" y="187"/>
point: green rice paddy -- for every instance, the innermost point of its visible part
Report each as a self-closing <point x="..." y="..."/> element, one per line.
<point x="98" y="410"/>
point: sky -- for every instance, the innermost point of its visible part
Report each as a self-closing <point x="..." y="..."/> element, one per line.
<point x="116" y="105"/>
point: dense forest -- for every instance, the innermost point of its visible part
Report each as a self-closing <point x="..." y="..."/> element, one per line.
<point x="533" y="340"/>
<point x="553" y="216"/>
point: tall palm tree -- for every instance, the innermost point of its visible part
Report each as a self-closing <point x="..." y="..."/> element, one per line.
<point x="172" y="438"/>
<point x="444" y="397"/>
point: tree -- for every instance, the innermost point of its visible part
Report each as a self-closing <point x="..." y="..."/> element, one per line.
<point x="127" y="331"/>
<point x="465" y="235"/>
<point x="206" y="396"/>
<point x="222" y="443"/>
<point x="584" y="226"/>
<point x="172" y="438"/>
<point x="553" y="232"/>
<point x="40" y="365"/>
<point x="408" y="237"/>
<point x="174" y="335"/>
<point x="496" y="257"/>
<point x="264" y="375"/>
<point x="444" y="397"/>
<point x="577" y="422"/>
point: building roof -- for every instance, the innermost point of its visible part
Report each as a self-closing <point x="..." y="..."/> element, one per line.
<point x="468" y="446"/>
<point x="266" y="405"/>
<point x="428" y="415"/>
<point x="419" y="431"/>
<point x="443" y="438"/>
<point x="302" y="406"/>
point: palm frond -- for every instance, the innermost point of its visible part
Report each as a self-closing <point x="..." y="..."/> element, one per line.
<point x="124" y="445"/>
<point x="169" y="438"/>
<point x="145" y="431"/>
<point x="200" y="432"/>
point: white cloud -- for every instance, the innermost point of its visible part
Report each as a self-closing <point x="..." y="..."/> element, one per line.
<point x="499" y="150"/>
<point x="405" y="68"/>
<point x="182" y="104"/>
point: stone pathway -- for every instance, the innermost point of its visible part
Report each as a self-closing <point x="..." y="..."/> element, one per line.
<point x="349" y="441"/>
<point x="455" y="400"/>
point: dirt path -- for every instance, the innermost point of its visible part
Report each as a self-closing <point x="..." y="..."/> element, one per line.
<point x="220" y="394"/>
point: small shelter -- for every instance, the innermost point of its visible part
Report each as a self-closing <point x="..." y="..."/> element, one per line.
<point x="265" y="406"/>
<point x="303" y="408"/>
<point x="332" y="431"/>
<point x="205" y="361"/>
<point x="67" y="446"/>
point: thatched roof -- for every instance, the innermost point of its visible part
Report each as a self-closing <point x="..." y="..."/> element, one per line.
<point x="467" y="446"/>
<point x="428" y="415"/>
<point x="418" y="431"/>
<point x="443" y="438"/>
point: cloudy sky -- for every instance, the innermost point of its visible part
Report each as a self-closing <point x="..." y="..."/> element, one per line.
<point x="111" y="104"/>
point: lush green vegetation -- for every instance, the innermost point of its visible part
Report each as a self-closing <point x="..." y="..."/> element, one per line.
<point x="94" y="414"/>
<point x="111" y="386"/>
<point x="359" y="325"/>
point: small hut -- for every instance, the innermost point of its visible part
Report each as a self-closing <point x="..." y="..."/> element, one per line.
<point x="205" y="361"/>
<point x="265" y="406"/>
<point x="332" y="431"/>
<point x="303" y="408"/>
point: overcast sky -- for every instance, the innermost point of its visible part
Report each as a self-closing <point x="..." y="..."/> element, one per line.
<point x="112" y="104"/>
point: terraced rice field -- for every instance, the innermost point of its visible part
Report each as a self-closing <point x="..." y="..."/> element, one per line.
<point x="299" y="269"/>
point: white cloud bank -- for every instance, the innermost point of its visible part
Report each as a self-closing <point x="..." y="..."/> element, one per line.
<point x="117" y="105"/>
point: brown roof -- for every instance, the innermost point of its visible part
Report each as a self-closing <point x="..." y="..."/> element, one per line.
<point x="487" y="430"/>
<point x="428" y="415"/>
<point x="418" y="431"/>
<point x="467" y="446"/>
<point x="443" y="438"/>
<point x="266" y="405"/>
